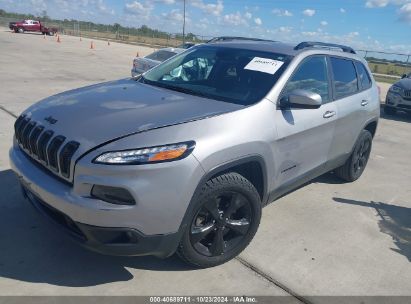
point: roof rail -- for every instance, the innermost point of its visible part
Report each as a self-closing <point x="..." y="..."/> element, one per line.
<point x="308" y="44"/>
<point x="231" y="38"/>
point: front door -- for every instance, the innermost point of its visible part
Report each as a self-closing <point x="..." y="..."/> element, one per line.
<point x="305" y="135"/>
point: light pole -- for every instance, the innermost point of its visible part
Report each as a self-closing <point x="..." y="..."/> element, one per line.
<point x="184" y="22"/>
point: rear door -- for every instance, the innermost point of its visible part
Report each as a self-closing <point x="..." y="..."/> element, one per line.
<point x="305" y="135"/>
<point x="351" y="102"/>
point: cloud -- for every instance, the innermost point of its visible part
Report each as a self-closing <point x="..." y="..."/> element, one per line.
<point x="285" y="29"/>
<point x="234" y="19"/>
<point x="210" y="8"/>
<point x="324" y="23"/>
<point x="342" y="10"/>
<point x="248" y="15"/>
<point x="166" y="1"/>
<point x="175" y="15"/>
<point x="405" y="12"/>
<point x="309" y="12"/>
<point x="140" y="9"/>
<point x="384" y="3"/>
<point x="282" y="13"/>
<point x="258" y="21"/>
<point x="103" y="8"/>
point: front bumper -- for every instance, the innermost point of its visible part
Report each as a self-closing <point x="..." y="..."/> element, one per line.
<point x="397" y="101"/>
<point x="150" y="227"/>
<point x="105" y="240"/>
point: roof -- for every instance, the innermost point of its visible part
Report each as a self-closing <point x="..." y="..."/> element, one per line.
<point x="279" y="47"/>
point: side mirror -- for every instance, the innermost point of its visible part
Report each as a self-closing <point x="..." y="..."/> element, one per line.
<point x="301" y="99"/>
<point x="404" y="76"/>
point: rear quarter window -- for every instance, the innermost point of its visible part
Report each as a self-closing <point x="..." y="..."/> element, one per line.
<point x="364" y="77"/>
<point x="345" y="77"/>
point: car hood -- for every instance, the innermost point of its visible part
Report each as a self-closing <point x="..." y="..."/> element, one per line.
<point x="100" y="113"/>
<point x="404" y="83"/>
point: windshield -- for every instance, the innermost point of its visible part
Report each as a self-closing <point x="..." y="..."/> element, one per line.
<point x="228" y="74"/>
<point x="160" y="55"/>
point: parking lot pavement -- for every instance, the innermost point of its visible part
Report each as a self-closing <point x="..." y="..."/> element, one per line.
<point x="326" y="238"/>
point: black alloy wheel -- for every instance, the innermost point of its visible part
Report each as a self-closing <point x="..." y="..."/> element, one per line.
<point x="221" y="224"/>
<point x="224" y="219"/>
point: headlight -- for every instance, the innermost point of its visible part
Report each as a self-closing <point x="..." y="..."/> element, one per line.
<point x="396" y="89"/>
<point x="146" y="155"/>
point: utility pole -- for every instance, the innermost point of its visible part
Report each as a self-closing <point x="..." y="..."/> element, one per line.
<point x="184" y="22"/>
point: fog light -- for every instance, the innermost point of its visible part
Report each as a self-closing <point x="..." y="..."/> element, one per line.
<point x="112" y="195"/>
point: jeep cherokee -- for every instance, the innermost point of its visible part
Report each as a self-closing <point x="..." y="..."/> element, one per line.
<point x="182" y="158"/>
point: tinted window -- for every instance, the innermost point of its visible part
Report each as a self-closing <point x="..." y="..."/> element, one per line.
<point x="345" y="77"/>
<point x="312" y="76"/>
<point x="234" y="75"/>
<point x="160" y="55"/>
<point x="363" y="76"/>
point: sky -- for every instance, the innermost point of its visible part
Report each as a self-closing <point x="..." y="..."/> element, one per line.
<point x="379" y="25"/>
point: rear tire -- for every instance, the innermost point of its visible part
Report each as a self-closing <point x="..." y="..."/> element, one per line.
<point x="51" y="33"/>
<point x="390" y="110"/>
<point x="356" y="163"/>
<point x="224" y="221"/>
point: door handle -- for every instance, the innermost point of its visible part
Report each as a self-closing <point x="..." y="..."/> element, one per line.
<point x="364" y="102"/>
<point x="329" y="114"/>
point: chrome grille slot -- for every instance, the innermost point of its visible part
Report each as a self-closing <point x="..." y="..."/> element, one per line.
<point x="18" y="123"/>
<point x="33" y="139"/>
<point x="65" y="157"/>
<point x="26" y="133"/>
<point x="20" y="131"/>
<point x="42" y="145"/>
<point x="52" y="151"/>
<point x="48" y="150"/>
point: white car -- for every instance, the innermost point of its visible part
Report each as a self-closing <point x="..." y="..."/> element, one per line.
<point x="143" y="64"/>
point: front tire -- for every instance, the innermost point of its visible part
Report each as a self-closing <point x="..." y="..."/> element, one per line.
<point x="225" y="219"/>
<point x="20" y="30"/>
<point x="51" y="33"/>
<point x="355" y="165"/>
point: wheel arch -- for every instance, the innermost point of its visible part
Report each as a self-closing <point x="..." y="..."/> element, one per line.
<point x="371" y="126"/>
<point x="252" y="167"/>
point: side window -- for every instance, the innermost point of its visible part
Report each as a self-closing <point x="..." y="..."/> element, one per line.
<point x="364" y="77"/>
<point x="345" y="77"/>
<point x="312" y="76"/>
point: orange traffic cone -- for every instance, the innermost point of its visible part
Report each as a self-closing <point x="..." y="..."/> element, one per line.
<point x="44" y="36"/>
<point x="91" y="45"/>
<point x="108" y="42"/>
<point x="58" y="39"/>
<point x="80" y="39"/>
<point x="137" y="55"/>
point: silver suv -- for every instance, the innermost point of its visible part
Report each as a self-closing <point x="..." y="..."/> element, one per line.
<point x="183" y="158"/>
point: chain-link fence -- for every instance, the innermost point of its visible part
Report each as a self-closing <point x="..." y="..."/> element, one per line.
<point x="385" y="66"/>
<point x="131" y="35"/>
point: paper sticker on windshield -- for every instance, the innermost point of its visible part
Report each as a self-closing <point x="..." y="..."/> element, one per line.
<point x="264" y="65"/>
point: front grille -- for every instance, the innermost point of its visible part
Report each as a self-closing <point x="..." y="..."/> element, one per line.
<point x="407" y="93"/>
<point x="44" y="146"/>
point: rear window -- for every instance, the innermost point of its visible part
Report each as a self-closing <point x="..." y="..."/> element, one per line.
<point x="345" y="77"/>
<point x="161" y="55"/>
<point x="364" y="77"/>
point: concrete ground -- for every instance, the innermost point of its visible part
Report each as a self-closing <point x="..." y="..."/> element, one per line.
<point x="327" y="238"/>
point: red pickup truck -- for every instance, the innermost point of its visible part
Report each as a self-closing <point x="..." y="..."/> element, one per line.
<point x="31" y="26"/>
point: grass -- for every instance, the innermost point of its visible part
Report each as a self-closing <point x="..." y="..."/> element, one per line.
<point x="385" y="79"/>
<point x="388" y="68"/>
